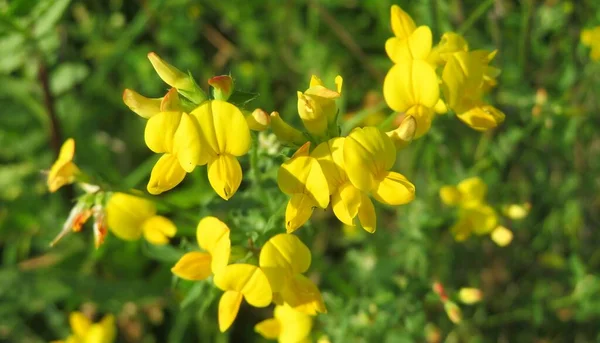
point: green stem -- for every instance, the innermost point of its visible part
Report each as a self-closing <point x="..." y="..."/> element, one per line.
<point x="476" y="15"/>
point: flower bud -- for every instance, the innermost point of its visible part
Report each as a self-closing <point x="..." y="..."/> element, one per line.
<point x="222" y="86"/>
<point x="170" y="102"/>
<point x="453" y="312"/>
<point x="77" y="217"/>
<point x="517" y="211"/>
<point x="100" y="227"/>
<point x="469" y="295"/>
<point x="142" y="106"/>
<point x="312" y="115"/>
<point x="258" y="120"/>
<point x="174" y="77"/>
<point x="285" y="132"/>
<point x="402" y="24"/>
<point x="502" y="236"/>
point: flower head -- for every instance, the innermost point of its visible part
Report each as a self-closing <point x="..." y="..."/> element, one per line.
<point x="286" y="326"/>
<point x="317" y="108"/>
<point x="84" y="331"/>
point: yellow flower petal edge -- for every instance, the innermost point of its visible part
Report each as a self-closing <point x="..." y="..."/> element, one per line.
<point x="213" y="236"/>
<point x="283" y="254"/>
<point x="247" y="279"/>
<point x="193" y="266"/>
<point x="166" y="174"/>
<point x="63" y="171"/>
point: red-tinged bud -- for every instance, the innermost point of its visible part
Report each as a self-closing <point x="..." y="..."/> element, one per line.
<point x="453" y="312"/>
<point x="258" y="120"/>
<point x="77" y="217"/>
<point x="222" y="86"/>
<point x="170" y="101"/>
<point x="100" y="226"/>
<point x="438" y="288"/>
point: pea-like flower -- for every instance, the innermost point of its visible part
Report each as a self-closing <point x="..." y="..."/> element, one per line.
<point x="302" y="178"/>
<point x="213" y="237"/>
<point x="241" y="281"/>
<point x="130" y="217"/>
<point x="63" y="171"/>
<point x="317" y="107"/>
<point x="284" y="258"/>
<point x="369" y="154"/>
<point x="286" y="326"/>
<point x="84" y="331"/>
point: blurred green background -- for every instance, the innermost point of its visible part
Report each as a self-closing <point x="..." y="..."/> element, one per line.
<point x="64" y="65"/>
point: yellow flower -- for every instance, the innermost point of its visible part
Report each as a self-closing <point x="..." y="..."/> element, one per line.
<point x="240" y="281"/>
<point x="591" y="38"/>
<point x="317" y="108"/>
<point x="402" y="24"/>
<point x="225" y="136"/>
<point x="477" y="218"/>
<point x="84" y="331"/>
<point x="63" y="171"/>
<point x="129" y="217"/>
<point x="287" y="326"/>
<point x="417" y="46"/>
<point x="404" y="133"/>
<point x="283" y="259"/>
<point x="450" y="43"/>
<point x="286" y="133"/>
<point x="142" y="106"/>
<point x="258" y="120"/>
<point x="212" y="236"/>
<point x="471" y="190"/>
<point x="412" y="87"/>
<point x="470" y="295"/>
<point x="502" y="236"/>
<point x="347" y="201"/>
<point x="302" y="178"/>
<point x="368" y="156"/>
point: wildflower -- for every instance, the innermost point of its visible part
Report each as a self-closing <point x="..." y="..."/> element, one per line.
<point x="286" y="133"/>
<point x="471" y="190"/>
<point x="517" y="211"/>
<point x="347" y="201"/>
<point x="225" y="136"/>
<point x="417" y="46"/>
<point x="258" y="120"/>
<point x="100" y="225"/>
<point x="174" y="77"/>
<point x="404" y="133"/>
<point x="222" y="86"/>
<point x="412" y="87"/>
<point x="78" y="216"/>
<point x="129" y="217"/>
<point x="302" y="178"/>
<point x="283" y="259"/>
<point x="402" y="25"/>
<point x="450" y="43"/>
<point x="453" y="311"/>
<point x="502" y="236"/>
<point x="63" y="171"/>
<point x="287" y="326"/>
<point x="84" y="331"/>
<point x="477" y="218"/>
<point x="591" y="38"/>
<point x="368" y="156"/>
<point x="213" y="237"/>
<point x="469" y="295"/>
<point x="240" y="281"/>
<point x="317" y="108"/>
<point x="142" y="106"/>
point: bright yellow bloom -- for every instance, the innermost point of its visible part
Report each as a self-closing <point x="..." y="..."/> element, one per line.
<point x="287" y="326"/>
<point x="471" y="190"/>
<point x="213" y="237"/>
<point x="450" y="43"/>
<point x="369" y="154"/>
<point x="467" y="76"/>
<point x="258" y="120"/>
<point x="63" y="171"/>
<point x="417" y="46"/>
<point x="402" y="24"/>
<point x="171" y="75"/>
<point x="477" y="218"/>
<point x="225" y="136"/>
<point x="517" y="211"/>
<point x="129" y="217"/>
<point x="412" y="87"/>
<point x="283" y="259"/>
<point x="502" y="236"/>
<point x="241" y="281"/>
<point x="286" y="133"/>
<point x="142" y="106"/>
<point x="470" y="295"/>
<point x="591" y="38"/>
<point x="317" y="108"/>
<point x="347" y="201"/>
<point x="404" y="133"/>
<point x="84" y="331"/>
<point x="302" y="178"/>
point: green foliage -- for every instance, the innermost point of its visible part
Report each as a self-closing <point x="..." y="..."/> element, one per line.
<point x="64" y="65"/>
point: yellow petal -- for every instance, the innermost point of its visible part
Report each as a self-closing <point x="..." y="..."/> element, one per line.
<point x="224" y="127"/>
<point x="171" y="75"/>
<point x="258" y="120"/>
<point x="502" y="236"/>
<point x="269" y="328"/>
<point x="282" y="255"/>
<point x="450" y="195"/>
<point x="586" y="37"/>
<point x="229" y="306"/>
<point x="330" y="156"/>
<point x="126" y="213"/>
<point x="450" y="43"/>
<point x="295" y="325"/>
<point x="368" y="154"/>
<point x="166" y="174"/>
<point x="462" y="75"/>
<point x="402" y="24"/>
<point x="225" y="175"/>
<point x="346" y="202"/>
<point x="80" y="324"/>
<point x="482" y="218"/>
<point x="187" y="145"/>
<point x="394" y="189"/>
<point x="411" y="83"/>
<point x="108" y="329"/>
<point x="303" y="174"/>
<point x="248" y="280"/>
<point x="367" y="215"/>
<point x="472" y="189"/>
<point x="63" y="171"/>
<point x="416" y="47"/>
<point x="160" y="130"/>
<point x="213" y="236"/>
<point x="303" y="295"/>
<point x="482" y="117"/>
<point x="470" y="295"/>
<point x="339" y="81"/>
<point x="158" y="229"/>
<point x="298" y="211"/>
<point x="170" y="102"/>
<point x="142" y="106"/>
<point x="312" y="114"/>
<point x="404" y="133"/>
<point x="193" y="266"/>
<point x="285" y="132"/>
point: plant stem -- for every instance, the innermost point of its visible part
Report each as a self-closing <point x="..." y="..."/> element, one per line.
<point x="478" y="13"/>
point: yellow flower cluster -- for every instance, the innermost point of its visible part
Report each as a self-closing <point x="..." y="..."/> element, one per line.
<point x="277" y="278"/>
<point x="475" y="215"/>
<point x="412" y="85"/>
